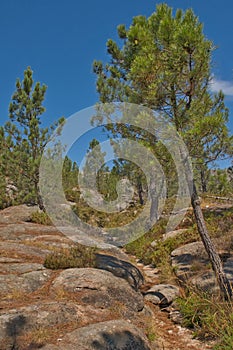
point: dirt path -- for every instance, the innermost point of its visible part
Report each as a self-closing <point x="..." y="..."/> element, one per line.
<point x="175" y="337"/>
<point x="171" y="336"/>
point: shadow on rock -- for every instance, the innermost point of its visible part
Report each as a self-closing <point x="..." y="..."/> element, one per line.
<point x="120" y="341"/>
<point x="120" y="268"/>
<point x="14" y="328"/>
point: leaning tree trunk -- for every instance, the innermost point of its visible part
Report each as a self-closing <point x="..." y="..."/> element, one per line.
<point x="223" y="282"/>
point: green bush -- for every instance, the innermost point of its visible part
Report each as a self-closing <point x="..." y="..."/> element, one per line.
<point x="76" y="256"/>
<point x="40" y="217"/>
<point x="141" y="247"/>
<point x="219" y="222"/>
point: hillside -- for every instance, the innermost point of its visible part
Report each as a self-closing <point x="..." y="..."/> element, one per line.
<point x="117" y="303"/>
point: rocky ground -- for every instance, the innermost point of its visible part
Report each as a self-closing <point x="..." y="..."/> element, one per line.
<point x="118" y="305"/>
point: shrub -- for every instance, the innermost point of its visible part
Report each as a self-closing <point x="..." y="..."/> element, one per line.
<point x="141" y="247"/>
<point x="76" y="256"/>
<point x="40" y="217"/>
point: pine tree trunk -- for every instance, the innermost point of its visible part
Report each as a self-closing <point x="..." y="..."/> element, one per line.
<point x="223" y="282"/>
<point x="140" y="191"/>
<point x="154" y="201"/>
<point x="40" y="203"/>
<point x="203" y="181"/>
<point x="39" y="198"/>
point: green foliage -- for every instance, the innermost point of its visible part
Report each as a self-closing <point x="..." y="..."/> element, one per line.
<point x="108" y="183"/>
<point x="221" y="183"/>
<point x="159" y="253"/>
<point x="141" y="248"/>
<point x="164" y="248"/>
<point x="126" y="169"/>
<point x="40" y="217"/>
<point x="210" y="318"/>
<point x="70" y="173"/>
<point x="102" y="219"/>
<point x="220" y="223"/>
<point x="194" y="308"/>
<point x="76" y="256"/>
<point x="164" y="62"/>
<point x="93" y="167"/>
<point x="4" y="199"/>
<point x="25" y="139"/>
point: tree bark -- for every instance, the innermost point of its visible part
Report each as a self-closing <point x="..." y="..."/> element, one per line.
<point x="39" y="198"/>
<point x="223" y="282"/>
<point x="203" y="181"/>
<point x="140" y="191"/>
<point x="154" y="201"/>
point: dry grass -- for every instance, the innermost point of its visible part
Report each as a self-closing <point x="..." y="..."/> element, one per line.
<point x="76" y="256"/>
<point x="210" y="317"/>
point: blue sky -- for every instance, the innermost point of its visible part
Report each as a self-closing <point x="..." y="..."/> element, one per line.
<point x="60" y="39"/>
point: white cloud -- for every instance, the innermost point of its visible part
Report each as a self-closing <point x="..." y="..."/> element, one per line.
<point x="224" y="85"/>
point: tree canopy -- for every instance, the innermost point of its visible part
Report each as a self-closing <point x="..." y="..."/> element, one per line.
<point x="164" y="63"/>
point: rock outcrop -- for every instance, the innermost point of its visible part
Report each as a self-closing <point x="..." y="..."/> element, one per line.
<point x="99" y="288"/>
<point x="192" y="266"/>
<point x="112" y="306"/>
<point x="115" y="335"/>
<point x="84" y="308"/>
<point x="162" y="294"/>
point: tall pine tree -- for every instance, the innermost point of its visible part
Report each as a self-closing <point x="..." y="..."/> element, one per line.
<point x="25" y="138"/>
<point x="164" y="63"/>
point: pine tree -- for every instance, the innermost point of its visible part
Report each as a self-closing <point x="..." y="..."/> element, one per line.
<point x="220" y="183"/>
<point x="93" y="165"/>
<point x="26" y="138"/>
<point x="70" y="178"/>
<point x="164" y="63"/>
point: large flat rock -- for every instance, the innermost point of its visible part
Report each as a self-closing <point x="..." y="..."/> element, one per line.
<point x="19" y="268"/>
<point x="45" y="316"/>
<point x="24" y="283"/>
<point x="187" y="258"/>
<point x="99" y="288"/>
<point x="22" y="231"/>
<point x="17" y="213"/>
<point x="111" y="335"/>
<point x="192" y="265"/>
<point x="18" y="250"/>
